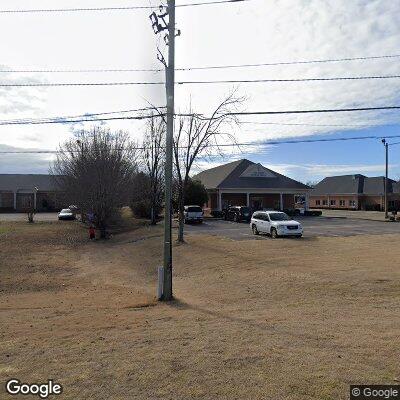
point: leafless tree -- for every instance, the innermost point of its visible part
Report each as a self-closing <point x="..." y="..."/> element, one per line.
<point x="199" y="136"/>
<point x="154" y="158"/>
<point x="95" y="171"/>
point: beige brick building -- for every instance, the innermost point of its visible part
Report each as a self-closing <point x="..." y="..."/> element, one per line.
<point x="245" y="183"/>
<point x="20" y="192"/>
<point x="355" y="192"/>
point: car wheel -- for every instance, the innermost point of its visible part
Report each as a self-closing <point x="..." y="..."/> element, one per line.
<point x="255" y="230"/>
<point x="274" y="233"/>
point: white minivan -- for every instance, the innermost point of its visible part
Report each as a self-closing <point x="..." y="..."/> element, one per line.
<point x="193" y="214"/>
<point x="275" y="223"/>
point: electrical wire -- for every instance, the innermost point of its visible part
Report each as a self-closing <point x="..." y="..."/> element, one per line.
<point x="93" y="70"/>
<point x="155" y="108"/>
<point x="37" y="11"/>
<point x="198" y="82"/>
<point x="265" y="143"/>
<point x="62" y="120"/>
<point x="304" y="124"/>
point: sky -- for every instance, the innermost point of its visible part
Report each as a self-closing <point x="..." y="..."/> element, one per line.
<point x="256" y="31"/>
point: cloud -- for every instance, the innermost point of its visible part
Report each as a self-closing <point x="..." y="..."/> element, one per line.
<point x="23" y="163"/>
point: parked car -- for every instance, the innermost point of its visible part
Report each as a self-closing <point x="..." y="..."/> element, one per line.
<point x="193" y="214"/>
<point x="238" y="214"/>
<point x="66" y="214"/>
<point x="275" y="223"/>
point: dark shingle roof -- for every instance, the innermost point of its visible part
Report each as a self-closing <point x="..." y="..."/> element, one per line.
<point x="352" y="184"/>
<point x="245" y="174"/>
<point x="16" y="182"/>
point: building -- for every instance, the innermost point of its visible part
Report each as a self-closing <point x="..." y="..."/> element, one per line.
<point x="355" y="192"/>
<point x="21" y="192"/>
<point x="246" y="183"/>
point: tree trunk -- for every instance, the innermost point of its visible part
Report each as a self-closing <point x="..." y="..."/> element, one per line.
<point x="181" y="238"/>
<point x="153" y="216"/>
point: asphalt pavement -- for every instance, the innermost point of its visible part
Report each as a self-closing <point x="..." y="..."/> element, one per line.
<point x="313" y="227"/>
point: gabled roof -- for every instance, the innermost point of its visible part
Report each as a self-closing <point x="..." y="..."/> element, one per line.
<point x="14" y="182"/>
<point x="343" y="184"/>
<point x="245" y="174"/>
<point x="352" y="184"/>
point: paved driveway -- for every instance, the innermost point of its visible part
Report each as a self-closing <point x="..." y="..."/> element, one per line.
<point x="313" y="226"/>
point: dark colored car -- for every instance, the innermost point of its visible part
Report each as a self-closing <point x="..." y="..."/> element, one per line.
<point x="238" y="214"/>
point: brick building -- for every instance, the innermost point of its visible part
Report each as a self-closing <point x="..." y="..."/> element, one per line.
<point x="20" y="192"/>
<point x="245" y="183"/>
<point x="355" y="192"/>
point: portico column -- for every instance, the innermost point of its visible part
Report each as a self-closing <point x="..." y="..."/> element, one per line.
<point x="248" y="199"/>
<point x="15" y="201"/>
<point x="219" y="200"/>
<point x="34" y="199"/>
<point x="307" y="203"/>
<point x="281" y="201"/>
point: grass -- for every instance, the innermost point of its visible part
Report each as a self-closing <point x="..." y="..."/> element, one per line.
<point x="284" y="319"/>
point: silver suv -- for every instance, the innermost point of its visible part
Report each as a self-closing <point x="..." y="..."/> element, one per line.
<point x="275" y="223"/>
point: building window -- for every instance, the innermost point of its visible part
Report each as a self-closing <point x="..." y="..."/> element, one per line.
<point x="342" y="203"/>
<point x="317" y="202"/>
<point x="324" y="202"/>
<point x="333" y="202"/>
<point x="352" y="203"/>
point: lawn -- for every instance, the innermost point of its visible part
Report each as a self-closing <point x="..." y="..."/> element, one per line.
<point x="283" y="319"/>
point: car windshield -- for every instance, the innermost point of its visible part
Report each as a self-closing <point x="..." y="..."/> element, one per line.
<point x="245" y="210"/>
<point x="194" y="209"/>
<point x="66" y="210"/>
<point x="279" y="217"/>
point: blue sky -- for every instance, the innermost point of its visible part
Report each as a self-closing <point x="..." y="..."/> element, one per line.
<point x="256" y="31"/>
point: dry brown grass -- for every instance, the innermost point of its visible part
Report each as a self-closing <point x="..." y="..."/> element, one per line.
<point x="284" y="319"/>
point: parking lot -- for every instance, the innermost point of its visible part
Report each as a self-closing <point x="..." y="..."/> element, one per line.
<point x="313" y="227"/>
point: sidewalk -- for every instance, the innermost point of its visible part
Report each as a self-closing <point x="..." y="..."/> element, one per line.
<point x="367" y="215"/>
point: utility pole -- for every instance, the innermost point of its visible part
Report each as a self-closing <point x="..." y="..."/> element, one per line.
<point x="159" y="24"/>
<point x="386" y="176"/>
<point x="170" y="86"/>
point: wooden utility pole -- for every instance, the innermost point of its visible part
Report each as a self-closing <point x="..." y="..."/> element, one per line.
<point x="170" y="88"/>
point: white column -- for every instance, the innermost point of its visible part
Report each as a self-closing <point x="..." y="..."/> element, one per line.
<point x="248" y="199"/>
<point x="219" y="200"/>
<point x="34" y="199"/>
<point x="15" y="200"/>
<point x="281" y="201"/>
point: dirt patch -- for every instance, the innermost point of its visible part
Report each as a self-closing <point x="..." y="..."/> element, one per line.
<point x="283" y="319"/>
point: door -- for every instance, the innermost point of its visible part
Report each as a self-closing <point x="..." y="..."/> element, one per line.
<point x="266" y="223"/>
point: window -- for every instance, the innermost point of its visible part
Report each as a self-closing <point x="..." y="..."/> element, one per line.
<point x="324" y="202"/>
<point x="333" y="202"/>
<point x="352" y="203"/>
<point x="342" y="203"/>
<point x="279" y="216"/>
<point x="317" y="202"/>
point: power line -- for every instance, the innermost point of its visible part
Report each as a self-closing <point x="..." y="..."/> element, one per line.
<point x="64" y="120"/>
<point x="304" y="124"/>
<point x="37" y="11"/>
<point x="198" y="82"/>
<point x="60" y="118"/>
<point x="104" y="70"/>
<point x="342" y="78"/>
<point x="265" y="143"/>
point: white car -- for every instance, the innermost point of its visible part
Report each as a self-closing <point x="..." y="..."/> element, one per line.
<point x="66" y="214"/>
<point x="193" y="214"/>
<point x="275" y="223"/>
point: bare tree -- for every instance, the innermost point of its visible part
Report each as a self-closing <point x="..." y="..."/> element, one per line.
<point x="198" y="136"/>
<point x="96" y="171"/>
<point x="154" y="158"/>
